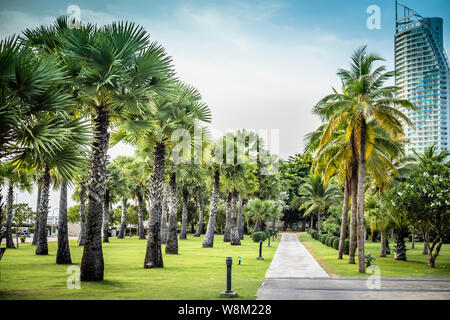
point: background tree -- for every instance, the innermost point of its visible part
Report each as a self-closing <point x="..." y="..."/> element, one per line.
<point x="15" y="178"/>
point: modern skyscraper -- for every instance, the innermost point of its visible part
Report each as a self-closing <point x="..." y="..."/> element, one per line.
<point x="424" y="78"/>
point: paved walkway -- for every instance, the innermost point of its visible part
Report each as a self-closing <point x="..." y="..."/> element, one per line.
<point x="295" y="275"/>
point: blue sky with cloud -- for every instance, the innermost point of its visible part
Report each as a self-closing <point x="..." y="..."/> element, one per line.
<point x="258" y="64"/>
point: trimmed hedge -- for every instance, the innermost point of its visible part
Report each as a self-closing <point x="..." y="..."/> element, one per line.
<point x="257" y="236"/>
<point x="336" y="243"/>
<point x="329" y="240"/>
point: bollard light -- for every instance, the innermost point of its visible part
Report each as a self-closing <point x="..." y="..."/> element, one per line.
<point x="239" y="259"/>
<point x="229" y="292"/>
<point x="268" y="242"/>
<point x="260" y="251"/>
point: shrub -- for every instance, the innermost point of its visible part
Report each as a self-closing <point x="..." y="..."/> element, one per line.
<point x="346" y="246"/>
<point x="323" y="238"/>
<point x="330" y="240"/>
<point x="257" y="236"/>
<point x="336" y="243"/>
<point x="269" y="231"/>
<point x="369" y="258"/>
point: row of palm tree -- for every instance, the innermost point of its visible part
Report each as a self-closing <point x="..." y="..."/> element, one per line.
<point x="67" y="93"/>
<point x="363" y="132"/>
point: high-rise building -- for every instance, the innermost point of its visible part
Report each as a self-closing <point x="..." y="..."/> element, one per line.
<point x="423" y="75"/>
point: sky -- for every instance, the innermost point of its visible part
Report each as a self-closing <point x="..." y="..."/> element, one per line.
<point x="258" y="64"/>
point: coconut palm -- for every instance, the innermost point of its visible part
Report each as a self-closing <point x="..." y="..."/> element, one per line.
<point x="363" y="99"/>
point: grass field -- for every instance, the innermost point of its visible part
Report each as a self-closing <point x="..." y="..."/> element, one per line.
<point x="416" y="266"/>
<point x="195" y="273"/>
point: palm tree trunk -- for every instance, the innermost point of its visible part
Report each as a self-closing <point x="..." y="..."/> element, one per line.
<point x="353" y="214"/>
<point x="208" y="241"/>
<point x="82" y="213"/>
<point x="184" y="214"/>
<point x="234" y="232"/>
<point x="201" y="209"/>
<point x="41" y="244"/>
<point x="383" y="243"/>
<point x="63" y="253"/>
<point x="153" y="256"/>
<point x="9" y="215"/>
<point x="312" y="221"/>
<point x="38" y="204"/>
<point x="123" y="220"/>
<point x="227" y="233"/>
<point x="361" y="195"/>
<point x="413" y="239"/>
<point x="92" y="264"/>
<point x="257" y="226"/>
<point x="343" y="234"/>
<point x="164" y="216"/>
<point x="240" y="218"/>
<point x="106" y="205"/>
<point x="318" y="220"/>
<point x="172" y="239"/>
<point x="142" y="209"/>
<point x="400" y="246"/>
<point x="1" y="209"/>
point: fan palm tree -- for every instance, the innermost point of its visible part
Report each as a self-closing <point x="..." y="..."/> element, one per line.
<point x="16" y="178"/>
<point x="121" y="185"/>
<point x="137" y="172"/>
<point x="363" y="99"/>
<point x="118" y="71"/>
<point x="317" y="197"/>
<point x="183" y="110"/>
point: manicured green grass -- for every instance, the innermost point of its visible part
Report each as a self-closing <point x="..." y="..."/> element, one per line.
<point x="195" y="273"/>
<point x="416" y="266"/>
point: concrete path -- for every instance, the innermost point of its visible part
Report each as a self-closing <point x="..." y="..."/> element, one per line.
<point x="292" y="260"/>
<point x="295" y="275"/>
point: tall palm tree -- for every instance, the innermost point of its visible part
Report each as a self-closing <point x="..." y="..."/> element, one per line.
<point x="317" y="197"/>
<point x="364" y="98"/>
<point x="63" y="251"/>
<point x="182" y="110"/>
<point x="120" y="70"/>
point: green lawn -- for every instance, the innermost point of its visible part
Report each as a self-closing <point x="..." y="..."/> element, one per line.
<point x="416" y="266"/>
<point x="195" y="273"/>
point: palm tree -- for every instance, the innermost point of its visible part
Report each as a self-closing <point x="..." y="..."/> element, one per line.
<point x="137" y="172"/>
<point x="183" y="110"/>
<point x="208" y="241"/>
<point x="120" y="178"/>
<point x="378" y="221"/>
<point x="363" y="99"/>
<point x="119" y="71"/>
<point x="399" y="222"/>
<point x="317" y="197"/>
<point x="63" y="252"/>
<point x="16" y="179"/>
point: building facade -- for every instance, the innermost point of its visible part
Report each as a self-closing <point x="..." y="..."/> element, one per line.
<point x="422" y="73"/>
